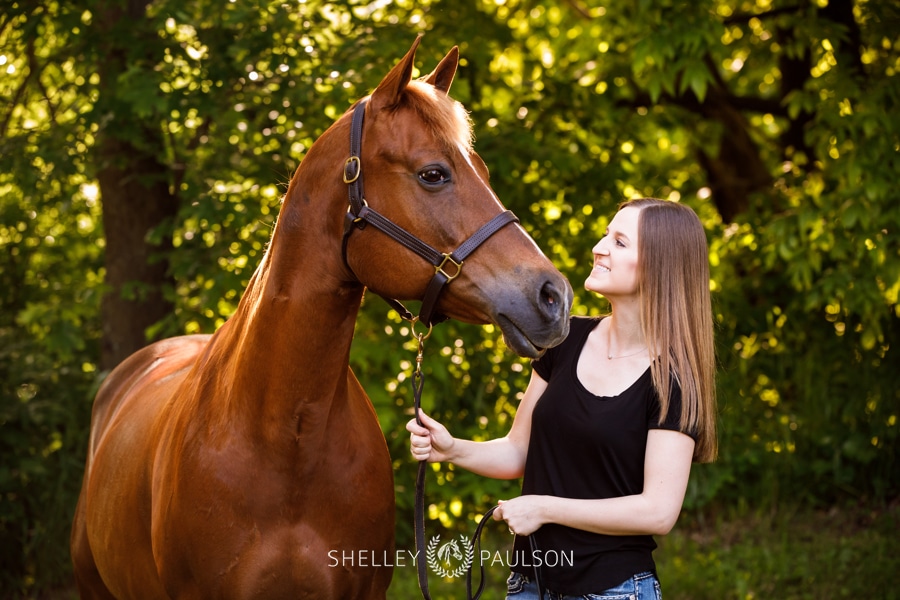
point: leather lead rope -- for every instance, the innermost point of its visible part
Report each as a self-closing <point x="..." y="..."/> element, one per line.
<point x="476" y="550"/>
<point x="419" y="517"/>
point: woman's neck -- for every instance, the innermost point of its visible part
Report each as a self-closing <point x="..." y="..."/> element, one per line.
<point x="624" y="334"/>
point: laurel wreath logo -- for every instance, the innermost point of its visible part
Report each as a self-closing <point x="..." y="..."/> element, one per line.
<point x="439" y="554"/>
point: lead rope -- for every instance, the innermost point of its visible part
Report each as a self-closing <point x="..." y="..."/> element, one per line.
<point x="476" y="548"/>
<point x="419" y="518"/>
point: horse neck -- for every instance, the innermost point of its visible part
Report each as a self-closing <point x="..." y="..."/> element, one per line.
<point x="286" y="350"/>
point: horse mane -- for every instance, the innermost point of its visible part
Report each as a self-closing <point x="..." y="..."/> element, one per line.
<point x="446" y="118"/>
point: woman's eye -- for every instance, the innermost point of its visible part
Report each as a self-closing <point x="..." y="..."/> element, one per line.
<point x="434" y="175"/>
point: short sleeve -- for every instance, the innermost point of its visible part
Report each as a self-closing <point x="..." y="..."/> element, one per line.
<point x="672" y="421"/>
<point x="579" y="327"/>
<point x="543" y="366"/>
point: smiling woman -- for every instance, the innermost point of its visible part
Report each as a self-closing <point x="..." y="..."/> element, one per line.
<point x="606" y="447"/>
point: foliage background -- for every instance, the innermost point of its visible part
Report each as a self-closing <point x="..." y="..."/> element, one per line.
<point x="776" y="121"/>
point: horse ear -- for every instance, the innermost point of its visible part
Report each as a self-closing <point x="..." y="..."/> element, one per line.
<point x="442" y="76"/>
<point x="391" y="88"/>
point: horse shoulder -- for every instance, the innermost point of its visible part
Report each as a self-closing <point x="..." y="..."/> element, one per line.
<point x="145" y="367"/>
<point x="122" y="450"/>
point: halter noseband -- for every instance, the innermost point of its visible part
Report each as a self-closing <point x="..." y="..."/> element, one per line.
<point x="447" y="266"/>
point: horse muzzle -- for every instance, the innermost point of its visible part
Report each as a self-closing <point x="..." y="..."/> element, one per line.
<point x="536" y="318"/>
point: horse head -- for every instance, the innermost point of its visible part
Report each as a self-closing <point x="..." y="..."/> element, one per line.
<point x="424" y="175"/>
<point x="449" y="549"/>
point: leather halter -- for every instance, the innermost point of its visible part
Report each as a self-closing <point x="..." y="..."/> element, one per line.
<point x="447" y="265"/>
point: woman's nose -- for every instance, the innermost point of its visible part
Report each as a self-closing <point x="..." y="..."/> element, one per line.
<point x="599" y="247"/>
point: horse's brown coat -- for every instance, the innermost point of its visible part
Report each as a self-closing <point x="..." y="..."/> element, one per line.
<point x="229" y="466"/>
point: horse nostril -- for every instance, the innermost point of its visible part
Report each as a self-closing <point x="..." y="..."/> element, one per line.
<point x="550" y="300"/>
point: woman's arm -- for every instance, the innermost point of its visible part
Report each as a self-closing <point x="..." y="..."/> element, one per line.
<point x="667" y="466"/>
<point x="501" y="458"/>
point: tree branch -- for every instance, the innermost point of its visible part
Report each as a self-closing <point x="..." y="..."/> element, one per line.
<point x="744" y="18"/>
<point x="579" y="8"/>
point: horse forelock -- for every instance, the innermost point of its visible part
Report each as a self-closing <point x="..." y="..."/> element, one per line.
<point x="447" y="119"/>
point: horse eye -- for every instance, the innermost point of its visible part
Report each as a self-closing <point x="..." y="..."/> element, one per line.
<point x="434" y="175"/>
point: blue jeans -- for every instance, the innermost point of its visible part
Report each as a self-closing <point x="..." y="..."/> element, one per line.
<point x="643" y="586"/>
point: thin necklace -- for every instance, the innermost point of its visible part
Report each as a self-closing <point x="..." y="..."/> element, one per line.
<point x="609" y="356"/>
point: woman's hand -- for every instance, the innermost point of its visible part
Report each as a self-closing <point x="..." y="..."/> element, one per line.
<point x="523" y="515"/>
<point x="432" y="442"/>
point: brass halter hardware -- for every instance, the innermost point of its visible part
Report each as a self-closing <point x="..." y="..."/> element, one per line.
<point x="440" y="268"/>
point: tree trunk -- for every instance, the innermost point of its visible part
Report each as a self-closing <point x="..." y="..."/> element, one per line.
<point x="136" y="200"/>
<point x="134" y="188"/>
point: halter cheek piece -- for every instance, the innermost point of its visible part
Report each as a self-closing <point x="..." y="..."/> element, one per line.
<point x="447" y="265"/>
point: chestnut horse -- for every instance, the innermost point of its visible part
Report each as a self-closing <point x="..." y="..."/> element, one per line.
<point x="238" y="465"/>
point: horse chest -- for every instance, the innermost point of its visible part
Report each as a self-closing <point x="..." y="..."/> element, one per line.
<point x="257" y="518"/>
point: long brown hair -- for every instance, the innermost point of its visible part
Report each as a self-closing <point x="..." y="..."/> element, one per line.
<point x="676" y="314"/>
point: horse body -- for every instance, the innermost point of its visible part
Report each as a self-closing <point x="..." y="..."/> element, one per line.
<point x="231" y="465"/>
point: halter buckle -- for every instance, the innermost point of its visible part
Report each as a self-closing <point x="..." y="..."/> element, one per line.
<point x="440" y="268"/>
<point x="352" y="169"/>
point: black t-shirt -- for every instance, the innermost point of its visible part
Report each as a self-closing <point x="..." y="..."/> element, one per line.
<point x="588" y="446"/>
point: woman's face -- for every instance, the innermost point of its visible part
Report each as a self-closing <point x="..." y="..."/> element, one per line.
<point x="616" y="257"/>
